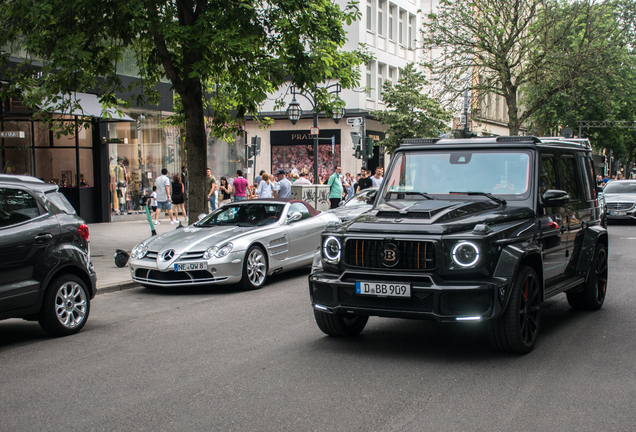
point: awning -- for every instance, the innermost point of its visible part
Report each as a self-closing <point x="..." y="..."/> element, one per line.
<point x="91" y="107"/>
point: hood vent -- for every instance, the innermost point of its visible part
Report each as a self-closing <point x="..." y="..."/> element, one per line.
<point x="411" y="215"/>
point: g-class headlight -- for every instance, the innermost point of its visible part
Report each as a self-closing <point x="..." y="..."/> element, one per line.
<point x="465" y="254"/>
<point x="331" y="250"/>
<point x="139" y="251"/>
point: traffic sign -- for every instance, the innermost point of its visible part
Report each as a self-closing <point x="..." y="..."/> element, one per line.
<point x="354" y="120"/>
<point x="314" y="131"/>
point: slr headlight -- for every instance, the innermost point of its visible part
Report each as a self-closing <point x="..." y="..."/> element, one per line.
<point x="217" y="252"/>
<point x="331" y="250"/>
<point x="139" y="251"/>
<point x="465" y="254"/>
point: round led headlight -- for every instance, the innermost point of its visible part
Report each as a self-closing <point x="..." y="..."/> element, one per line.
<point x="331" y="250"/>
<point x="209" y="253"/>
<point x="465" y="254"/>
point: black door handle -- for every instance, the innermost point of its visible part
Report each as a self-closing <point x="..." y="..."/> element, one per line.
<point x="43" y="238"/>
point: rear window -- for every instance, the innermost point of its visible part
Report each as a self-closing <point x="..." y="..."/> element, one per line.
<point x="60" y="202"/>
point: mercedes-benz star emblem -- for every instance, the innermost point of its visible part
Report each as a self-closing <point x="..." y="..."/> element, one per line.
<point x="389" y="255"/>
<point x="168" y="255"/>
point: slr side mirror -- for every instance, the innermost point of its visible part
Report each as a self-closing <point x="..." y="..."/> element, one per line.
<point x="294" y="216"/>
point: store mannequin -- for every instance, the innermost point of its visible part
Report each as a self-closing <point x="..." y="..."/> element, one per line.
<point x="113" y="186"/>
<point x="122" y="184"/>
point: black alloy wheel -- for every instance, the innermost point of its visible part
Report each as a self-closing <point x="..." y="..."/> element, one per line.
<point x="516" y="330"/>
<point x="594" y="290"/>
<point x="340" y="325"/>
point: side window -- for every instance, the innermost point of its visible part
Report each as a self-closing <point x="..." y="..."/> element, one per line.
<point x="547" y="174"/>
<point x="60" y="202"/>
<point x="567" y="176"/>
<point x="16" y="206"/>
<point x="588" y="169"/>
<point x="301" y="208"/>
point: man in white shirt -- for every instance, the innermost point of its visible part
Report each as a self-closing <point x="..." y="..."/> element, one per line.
<point x="164" y="202"/>
<point x="377" y="178"/>
<point x="302" y="180"/>
<point x="283" y="187"/>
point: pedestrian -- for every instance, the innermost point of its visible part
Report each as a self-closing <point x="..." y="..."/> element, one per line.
<point x="335" y="188"/>
<point x="210" y="187"/>
<point x="153" y="203"/>
<point x="265" y="189"/>
<point x="258" y="178"/>
<point x="283" y="188"/>
<point x="355" y="183"/>
<point x="377" y="178"/>
<point x="365" y="182"/>
<point x="302" y="180"/>
<point x="240" y="187"/>
<point x="164" y="202"/>
<point x="178" y="198"/>
<point x="348" y="185"/>
<point x="226" y="191"/>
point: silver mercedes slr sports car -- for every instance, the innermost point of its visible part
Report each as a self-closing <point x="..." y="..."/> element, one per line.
<point x="242" y="242"/>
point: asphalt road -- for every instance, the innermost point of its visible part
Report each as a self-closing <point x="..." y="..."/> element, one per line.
<point x="224" y="360"/>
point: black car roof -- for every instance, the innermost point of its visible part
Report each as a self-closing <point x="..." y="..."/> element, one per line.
<point x="26" y="181"/>
<point x="526" y="141"/>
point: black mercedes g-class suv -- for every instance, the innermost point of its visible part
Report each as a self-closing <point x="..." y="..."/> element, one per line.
<point x="469" y="230"/>
<point x="46" y="272"/>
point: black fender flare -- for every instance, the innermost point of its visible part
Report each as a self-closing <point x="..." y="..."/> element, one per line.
<point x="510" y="259"/>
<point x="593" y="235"/>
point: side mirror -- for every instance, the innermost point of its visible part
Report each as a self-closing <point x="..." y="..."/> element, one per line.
<point x="555" y="198"/>
<point x="294" y="216"/>
<point x="599" y="189"/>
<point x="341" y="203"/>
<point x="201" y="216"/>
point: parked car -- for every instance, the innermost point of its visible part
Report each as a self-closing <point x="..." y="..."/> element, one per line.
<point x="481" y="229"/>
<point x="243" y="242"/>
<point x="46" y="272"/>
<point x="620" y="196"/>
<point x="356" y="205"/>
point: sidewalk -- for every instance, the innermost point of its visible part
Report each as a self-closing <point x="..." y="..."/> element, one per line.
<point x="106" y="238"/>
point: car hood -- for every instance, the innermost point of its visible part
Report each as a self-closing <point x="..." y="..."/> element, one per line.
<point x="437" y="217"/>
<point x="350" y="213"/>
<point x="193" y="238"/>
<point x="623" y="197"/>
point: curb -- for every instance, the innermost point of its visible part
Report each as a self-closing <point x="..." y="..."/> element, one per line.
<point x="120" y="286"/>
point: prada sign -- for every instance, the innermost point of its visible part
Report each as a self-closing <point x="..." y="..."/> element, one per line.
<point x="303" y="137"/>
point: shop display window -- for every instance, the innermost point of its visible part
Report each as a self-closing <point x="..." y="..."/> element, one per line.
<point x="301" y="157"/>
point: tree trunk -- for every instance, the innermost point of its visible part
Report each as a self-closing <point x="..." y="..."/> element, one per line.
<point x="513" y="113"/>
<point x="197" y="151"/>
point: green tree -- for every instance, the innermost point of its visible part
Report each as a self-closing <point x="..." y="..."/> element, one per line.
<point x="499" y="46"/>
<point x="240" y="50"/>
<point x="411" y="112"/>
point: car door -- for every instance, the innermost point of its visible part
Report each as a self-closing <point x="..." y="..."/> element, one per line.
<point x="574" y="210"/>
<point x="304" y="234"/>
<point x="552" y="224"/>
<point x="27" y="233"/>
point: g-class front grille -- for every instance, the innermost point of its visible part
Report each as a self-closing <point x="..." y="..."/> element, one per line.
<point x="390" y="254"/>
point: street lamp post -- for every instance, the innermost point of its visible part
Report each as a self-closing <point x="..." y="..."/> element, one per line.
<point x="295" y="112"/>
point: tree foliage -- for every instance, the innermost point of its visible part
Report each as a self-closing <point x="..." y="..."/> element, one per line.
<point x="411" y="112"/>
<point x="240" y="51"/>
<point x="500" y="46"/>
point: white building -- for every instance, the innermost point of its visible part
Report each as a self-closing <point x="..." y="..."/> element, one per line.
<point x="390" y="30"/>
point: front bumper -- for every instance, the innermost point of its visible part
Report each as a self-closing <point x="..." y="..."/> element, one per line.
<point x="226" y="270"/>
<point x="430" y="298"/>
<point x="629" y="215"/>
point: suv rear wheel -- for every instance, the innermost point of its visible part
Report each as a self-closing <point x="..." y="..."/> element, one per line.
<point x="65" y="307"/>
<point x="593" y="294"/>
<point x="517" y="328"/>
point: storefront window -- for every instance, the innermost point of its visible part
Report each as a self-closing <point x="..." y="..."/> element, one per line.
<point x="15" y="153"/>
<point x="223" y="158"/>
<point x="56" y="165"/>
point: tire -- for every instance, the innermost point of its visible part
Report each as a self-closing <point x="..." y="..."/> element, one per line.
<point x="594" y="290"/>
<point x="254" y="269"/>
<point x="65" y="306"/>
<point x="516" y="330"/>
<point x="340" y="325"/>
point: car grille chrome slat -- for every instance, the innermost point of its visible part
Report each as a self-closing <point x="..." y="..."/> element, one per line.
<point x="175" y="278"/>
<point x="622" y="206"/>
<point x="414" y="255"/>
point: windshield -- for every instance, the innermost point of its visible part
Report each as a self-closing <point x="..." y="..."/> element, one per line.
<point x="360" y="198"/>
<point x="244" y="215"/>
<point x="620" y="188"/>
<point x="427" y="175"/>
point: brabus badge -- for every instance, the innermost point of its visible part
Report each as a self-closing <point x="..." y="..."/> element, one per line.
<point x="389" y="255"/>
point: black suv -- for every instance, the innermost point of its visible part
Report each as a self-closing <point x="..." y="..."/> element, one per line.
<point x="469" y="230"/>
<point x="45" y="268"/>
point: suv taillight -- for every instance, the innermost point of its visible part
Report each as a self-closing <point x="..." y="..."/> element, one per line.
<point x="83" y="231"/>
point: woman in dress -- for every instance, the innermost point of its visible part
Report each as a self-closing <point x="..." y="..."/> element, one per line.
<point x="178" y="197"/>
<point x="265" y="187"/>
<point x="226" y="191"/>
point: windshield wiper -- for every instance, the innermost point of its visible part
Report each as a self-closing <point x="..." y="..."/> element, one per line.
<point x="486" y="194"/>
<point x="424" y="194"/>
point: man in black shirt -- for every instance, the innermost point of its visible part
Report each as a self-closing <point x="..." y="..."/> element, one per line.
<point x="365" y="182"/>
